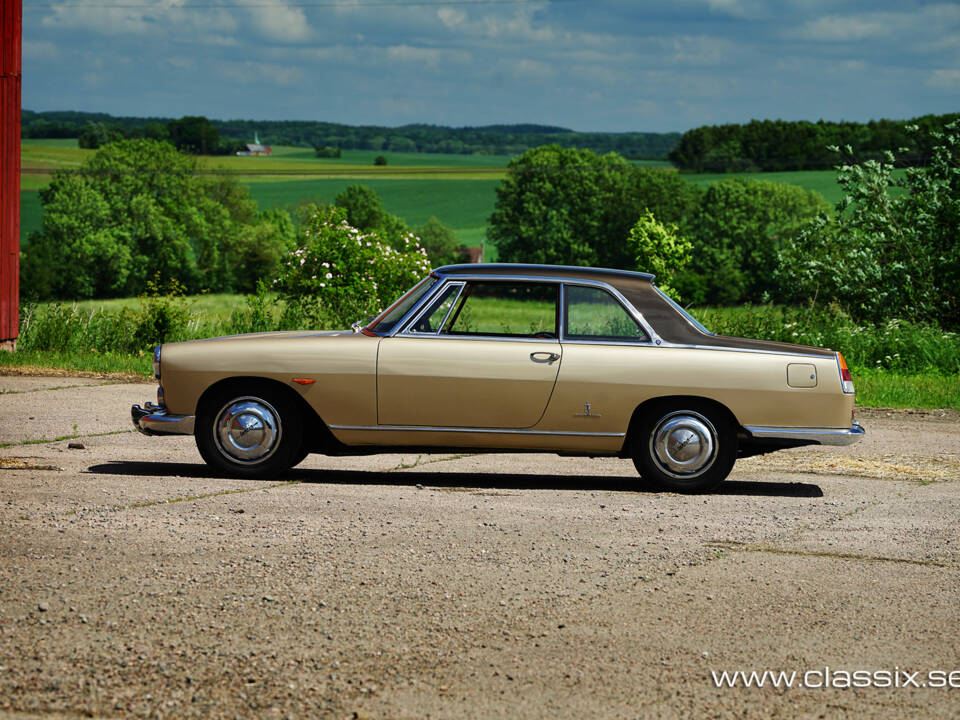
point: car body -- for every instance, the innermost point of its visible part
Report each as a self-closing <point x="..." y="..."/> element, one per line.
<point x="507" y="358"/>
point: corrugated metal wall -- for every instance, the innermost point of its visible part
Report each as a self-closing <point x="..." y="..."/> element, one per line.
<point x="10" y="29"/>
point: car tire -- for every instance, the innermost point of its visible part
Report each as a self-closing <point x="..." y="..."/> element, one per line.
<point x="685" y="448"/>
<point x="254" y="432"/>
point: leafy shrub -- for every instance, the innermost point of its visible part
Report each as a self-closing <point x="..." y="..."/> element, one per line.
<point x="659" y="249"/>
<point x="340" y="274"/>
<point x="881" y="255"/>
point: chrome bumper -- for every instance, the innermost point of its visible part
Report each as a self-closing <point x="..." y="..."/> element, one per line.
<point x="154" y="420"/>
<point x="822" y="436"/>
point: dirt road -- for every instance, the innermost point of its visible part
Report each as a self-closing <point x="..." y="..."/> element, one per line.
<point x="135" y="584"/>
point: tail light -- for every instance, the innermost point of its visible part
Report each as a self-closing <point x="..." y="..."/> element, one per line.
<point x="845" y="378"/>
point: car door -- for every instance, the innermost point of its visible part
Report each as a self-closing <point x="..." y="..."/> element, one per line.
<point x="483" y="354"/>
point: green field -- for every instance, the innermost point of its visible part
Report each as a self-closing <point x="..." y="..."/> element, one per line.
<point x="457" y="189"/>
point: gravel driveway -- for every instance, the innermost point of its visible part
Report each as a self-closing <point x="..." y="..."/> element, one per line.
<point x="135" y="584"/>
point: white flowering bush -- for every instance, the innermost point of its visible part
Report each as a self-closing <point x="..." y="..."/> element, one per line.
<point x="339" y="274"/>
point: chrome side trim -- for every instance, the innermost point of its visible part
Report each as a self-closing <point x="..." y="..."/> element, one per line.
<point x="823" y="436"/>
<point x="756" y="351"/>
<point x="154" y="420"/>
<point x="486" y="431"/>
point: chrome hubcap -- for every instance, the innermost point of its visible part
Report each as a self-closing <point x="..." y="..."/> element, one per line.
<point x="683" y="444"/>
<point x="247" y="430"/>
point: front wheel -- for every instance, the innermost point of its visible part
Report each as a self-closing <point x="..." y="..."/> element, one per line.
<point x="255" y="434"/>
<point x="685" y="449"/>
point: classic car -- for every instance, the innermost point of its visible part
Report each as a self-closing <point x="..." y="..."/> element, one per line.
<point x="506" y="358"/>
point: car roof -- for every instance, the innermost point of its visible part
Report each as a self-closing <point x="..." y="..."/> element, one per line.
<point x="558" y="271"/>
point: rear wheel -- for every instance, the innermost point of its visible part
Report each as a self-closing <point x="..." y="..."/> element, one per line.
<point x="254" y="434"/>
<point x="685" y="448"/>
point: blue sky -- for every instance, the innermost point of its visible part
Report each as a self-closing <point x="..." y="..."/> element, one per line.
<point x="605" y="65"/>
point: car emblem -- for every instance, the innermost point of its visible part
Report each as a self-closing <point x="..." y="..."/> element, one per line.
<point x="586" y="412"/>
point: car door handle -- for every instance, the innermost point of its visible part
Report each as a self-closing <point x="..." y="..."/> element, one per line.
<point x="544" y="357"/>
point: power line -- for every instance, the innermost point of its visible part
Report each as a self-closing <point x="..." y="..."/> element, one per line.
<point x="293" y="3"/>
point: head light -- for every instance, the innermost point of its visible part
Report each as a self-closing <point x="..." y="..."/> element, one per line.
<point x="156" y="361"/>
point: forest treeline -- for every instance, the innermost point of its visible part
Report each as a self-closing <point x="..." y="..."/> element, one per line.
<point x="771" y="145"/>
<point x="491" y="139"/>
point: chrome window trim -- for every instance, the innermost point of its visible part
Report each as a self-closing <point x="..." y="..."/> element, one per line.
<point x="438" y="281"/>
<point x="401" y="327"/>
<point x="655" y="339"/>
<point x="419" y="316"/>
<point x="464" y="278"/>
<point x="626" y="305"/>
<point x="482" y="431"/>
<point x="686" y="316"/>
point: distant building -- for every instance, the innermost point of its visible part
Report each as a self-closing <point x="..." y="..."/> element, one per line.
<point x="475" y="254"/>
<point x="256" y="147"/>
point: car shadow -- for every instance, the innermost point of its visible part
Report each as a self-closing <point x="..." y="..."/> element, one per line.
<point x="459" y="480"/>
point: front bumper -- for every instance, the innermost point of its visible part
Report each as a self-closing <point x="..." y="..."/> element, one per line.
<point x="154" y="420"/>
<point x="821" y="436"/>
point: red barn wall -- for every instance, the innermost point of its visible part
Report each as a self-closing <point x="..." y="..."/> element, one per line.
<point x="10" y="71"/>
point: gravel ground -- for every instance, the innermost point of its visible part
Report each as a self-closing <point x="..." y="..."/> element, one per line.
<point x="135" y="584"/>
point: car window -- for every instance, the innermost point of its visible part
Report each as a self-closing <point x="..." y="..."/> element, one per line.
<point x="389" y="318"/>
<point x="594" y="314"/>
<point x="505" y="309"/>
<point x="432" y="319"/>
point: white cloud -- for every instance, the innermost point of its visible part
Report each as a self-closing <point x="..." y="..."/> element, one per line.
<point x="161" y="19"/>
<point x="926" y="22"/>
<point x="40" y="50"/>
<point x="281" y="23"/>
<point x="949" y="79"/>
<point x="251" y="72"/>
<point x="429" y="57"/>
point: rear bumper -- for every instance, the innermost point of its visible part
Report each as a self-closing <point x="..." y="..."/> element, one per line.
<point x="154" y="420"/>
<point x="821" y="436"/>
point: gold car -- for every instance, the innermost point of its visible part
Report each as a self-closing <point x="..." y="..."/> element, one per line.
<point x="506" y="358"/>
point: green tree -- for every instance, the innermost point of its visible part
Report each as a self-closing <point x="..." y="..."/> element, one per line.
<point x="738" y="231"/>
<point x="883" y="255"/>
<point x="96" y="134"/>
<point x="659" y="249"/>
<point x="363" y="207"/>
<point x="568" y="206"/>
<point x="441" y="243"/>
<point x="136" y="209"/>
<point x="195" y="135"/>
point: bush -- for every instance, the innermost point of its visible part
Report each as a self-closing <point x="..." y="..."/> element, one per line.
<point x="881" y="255"/>
<point x="340" y="274"/>
<point x="326" y="151"/>
<point x="380" y="160"/>
<point x="660" y="250"/>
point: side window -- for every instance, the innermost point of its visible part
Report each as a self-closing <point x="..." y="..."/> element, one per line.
<point x="505" y="309"/>
<point x="432" y="320"/>
<point x="594" y="314"/>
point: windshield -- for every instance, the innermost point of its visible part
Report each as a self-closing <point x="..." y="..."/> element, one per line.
<point x="394" y="314"/>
